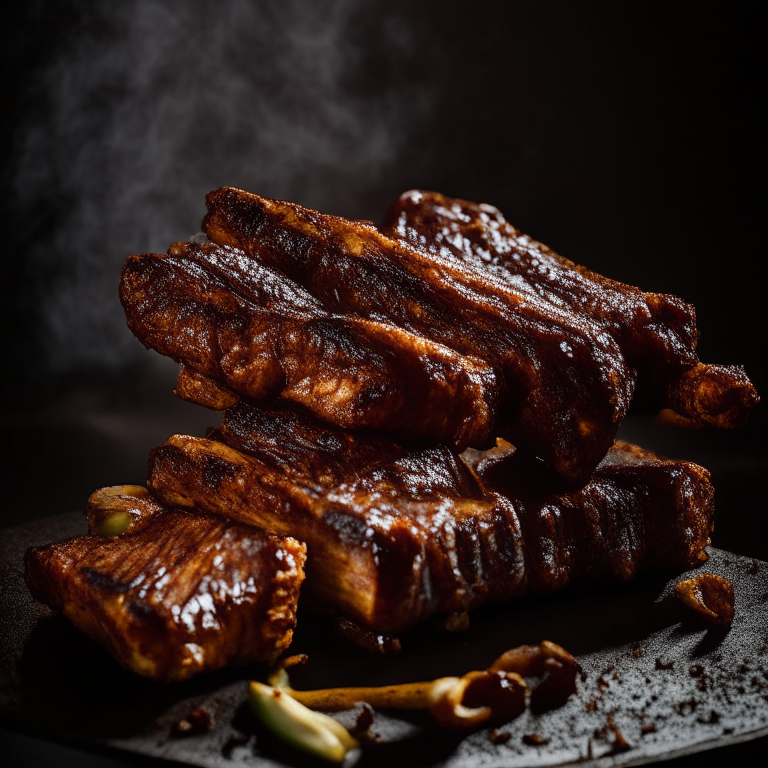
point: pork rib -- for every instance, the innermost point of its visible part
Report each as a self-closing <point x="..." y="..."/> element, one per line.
<point x="241" y="327"/>
<point x="657" y="332"/>
<point x="396" y="533"/>
<point x="176" y="594"/>
<point x="566" y="384"/>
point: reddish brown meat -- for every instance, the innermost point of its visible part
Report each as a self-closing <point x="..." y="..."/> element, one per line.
<point x="657" y="333"/>
<point x="239" y="326"/>
<point x="566" y="383"/>
<point x="176" y="594"/>
<point x="396" y="533"/>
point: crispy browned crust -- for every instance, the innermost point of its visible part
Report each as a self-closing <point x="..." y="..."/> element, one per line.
<point x="382" y="562"/>
<point x="396" y="533"/>
<point x="639" y="510"/>
<point x="177" y="594"/>
<point x="719" y="395"/>
<point x="196" y="388"/>
<point x="241" y="327"/>
<point x="567" y="385"/>
<point x="657" y="332"/>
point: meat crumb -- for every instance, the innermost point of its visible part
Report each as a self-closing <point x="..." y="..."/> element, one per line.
<point x="620" y="744"/>
<point x="664" y="665"/>
<point x="362" y="728"/>
<point x="500" y="737"/>
<point x="367" y="639"/>
<point x="710" y="596"/>
<point x="534" y="740"/>
<point x="197" y="721"/>
<point x="648" y="728"/>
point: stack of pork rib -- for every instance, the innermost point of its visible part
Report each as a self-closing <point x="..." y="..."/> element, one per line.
<point x="419" y="417"/>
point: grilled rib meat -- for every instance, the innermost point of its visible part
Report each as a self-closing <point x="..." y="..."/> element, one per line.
<point x="639" y="510"/>
<point x="396" y="533"/>
<point x="657" y="333"/>
<point x="566" y="383"/>
<point x="176" y="594"/>
<point x="241" y="327"/>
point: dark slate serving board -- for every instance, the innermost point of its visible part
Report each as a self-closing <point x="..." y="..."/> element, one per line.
<point x="670" y="685"/>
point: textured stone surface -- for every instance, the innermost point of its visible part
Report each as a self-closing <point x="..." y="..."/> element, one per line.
<point x="667" y="683"/>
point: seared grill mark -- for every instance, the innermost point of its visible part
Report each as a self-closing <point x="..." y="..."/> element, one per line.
<point x="177" y="594"/>
<point x="562" y="403"/>
<point x="656" y="332"/>
<point x="245" y="326"/>
<point x="397" y="532"/>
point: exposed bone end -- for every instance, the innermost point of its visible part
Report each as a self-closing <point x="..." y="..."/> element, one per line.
<point x="719" y="395"/>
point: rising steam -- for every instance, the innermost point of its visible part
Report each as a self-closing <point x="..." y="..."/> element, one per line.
<point x="146" y="106"/>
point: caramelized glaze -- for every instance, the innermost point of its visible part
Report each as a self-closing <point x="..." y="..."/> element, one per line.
<point x="396" y="532"/>
<point x="177" y="594"/>
<point x="252" y="331"/>
<point x="656" y="332"/>
<point x="566" y="384"/>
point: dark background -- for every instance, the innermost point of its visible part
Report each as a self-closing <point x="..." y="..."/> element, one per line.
<point x="626" y="136"/>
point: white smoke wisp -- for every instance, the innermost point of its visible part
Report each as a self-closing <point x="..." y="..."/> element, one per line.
<point x="149" y="105"/>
